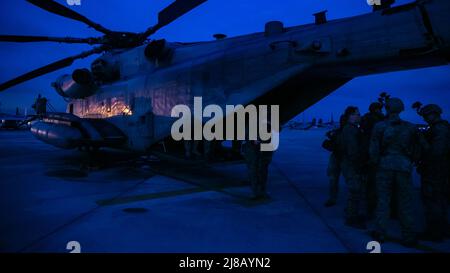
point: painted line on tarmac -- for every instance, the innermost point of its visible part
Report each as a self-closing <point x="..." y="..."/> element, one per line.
<point x="200" y="187"/>
<point x="219" y="189"/>
<point x="77" y="218"/>
<point x="148" y="196"/>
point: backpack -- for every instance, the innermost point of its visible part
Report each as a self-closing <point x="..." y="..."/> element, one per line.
<point x="331" y="142"/>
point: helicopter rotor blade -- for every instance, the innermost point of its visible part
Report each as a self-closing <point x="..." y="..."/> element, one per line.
<point x="56" y="8"/>
<point x="50" y="68"/>
<point x="171" y="13"/>
<point x="26" y="39"/>
<point x="176" y="10"/>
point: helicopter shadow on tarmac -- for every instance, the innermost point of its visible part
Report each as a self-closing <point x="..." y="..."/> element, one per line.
<point x="78" y="166"/>
<point x="107" y="165"/>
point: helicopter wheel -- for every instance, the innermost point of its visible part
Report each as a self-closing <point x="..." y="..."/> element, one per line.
<point x="89" y="149"/>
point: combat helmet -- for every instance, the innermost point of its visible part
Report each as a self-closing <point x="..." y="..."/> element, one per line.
<point x="430" y="109"/>
<point x="394" y="105"/>
<point x="374" y="106"/>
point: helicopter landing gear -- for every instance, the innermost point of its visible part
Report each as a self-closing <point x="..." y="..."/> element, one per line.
<point x="92" y="159"/>
<point x="88" y="148"/>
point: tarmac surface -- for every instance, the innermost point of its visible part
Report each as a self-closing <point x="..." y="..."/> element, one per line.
<point x="50" y="197"/>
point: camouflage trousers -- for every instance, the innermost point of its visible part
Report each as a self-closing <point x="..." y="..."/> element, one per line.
<point x="434" y="190"/>
<point x="354" y="184"/>
<point x="258" y="167"/>
<point x="386" y="180"/>
<point x="333" y="173"/>
<point x="369" y="190"/>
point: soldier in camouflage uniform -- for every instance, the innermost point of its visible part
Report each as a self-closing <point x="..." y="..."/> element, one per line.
<point x="334" y="163"/>
<point x="434" y="173"/>
<point x="368" y="122"/>
<point x="392" y="149"/>
<point x="351" y="150"/>
<point x="40" y="105"/>
<point x="258" y="167"/>
<point x="371" y="118"/>
<point x="333" y="173"/>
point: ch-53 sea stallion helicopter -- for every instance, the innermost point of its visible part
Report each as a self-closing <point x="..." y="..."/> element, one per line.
<point x="125" y="99"/>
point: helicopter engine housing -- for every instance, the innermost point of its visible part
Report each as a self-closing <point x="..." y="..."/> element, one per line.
<point x="79" y="85"/>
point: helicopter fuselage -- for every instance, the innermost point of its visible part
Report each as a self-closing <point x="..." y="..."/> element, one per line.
<point x="292" y="67"/>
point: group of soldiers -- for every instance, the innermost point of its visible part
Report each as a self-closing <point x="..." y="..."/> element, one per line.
<point x="376" y="154"/>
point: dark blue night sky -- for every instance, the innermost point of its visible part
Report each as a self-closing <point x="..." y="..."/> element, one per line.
<point x="232" y="17"/>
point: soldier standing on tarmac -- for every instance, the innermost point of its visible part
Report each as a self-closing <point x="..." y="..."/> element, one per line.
<point x="433" y="169"/>
<point x="393" y="148"/>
